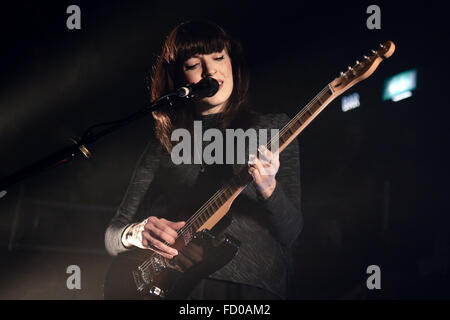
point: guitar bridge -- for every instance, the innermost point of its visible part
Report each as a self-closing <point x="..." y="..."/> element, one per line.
<point x="138" y="280"/>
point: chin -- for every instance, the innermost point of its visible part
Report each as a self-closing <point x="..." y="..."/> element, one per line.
<point x="213" y="102"/>
<point x="218" y="99"/>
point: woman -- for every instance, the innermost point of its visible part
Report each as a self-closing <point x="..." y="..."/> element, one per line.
<point x="265" y="218"/>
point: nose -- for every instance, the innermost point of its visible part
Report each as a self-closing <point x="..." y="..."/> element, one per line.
<point x="208" y="69"/>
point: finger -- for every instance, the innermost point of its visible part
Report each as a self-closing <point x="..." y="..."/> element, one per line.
<point x="267" y="169"/>
<point x="264" y="153"/>
<point x="263" y="163"/>
<point x="163" y="225"/>
<point x="261" y="169"/>
<point x="158" y="244"/>
<point x="251" y="158"/>
<point x="165" y="255"/>
<point x="165" y="235"/>
<point x="175" y="225"/>
<point x="255" y="174"/>
<point x="148" y="246"/>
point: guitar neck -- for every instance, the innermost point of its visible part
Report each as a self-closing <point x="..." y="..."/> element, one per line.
<point x="218" y="205"/>
<point x="307" y="114"/>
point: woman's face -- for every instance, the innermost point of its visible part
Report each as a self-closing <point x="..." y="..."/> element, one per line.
<point x="218" y="66"/>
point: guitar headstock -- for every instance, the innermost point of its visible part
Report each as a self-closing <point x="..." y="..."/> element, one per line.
<point x="362" y="70"/>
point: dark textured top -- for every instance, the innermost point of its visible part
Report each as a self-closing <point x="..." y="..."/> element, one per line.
<point x="266" y="228"/>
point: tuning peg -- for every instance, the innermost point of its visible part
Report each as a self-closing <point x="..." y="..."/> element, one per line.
<point x="366" y="57"/>
<point x="342" y="74"/>
<point x="350" y="69"/>
<point x="357" y="62"/>
<point x="381" y="45"/>
<point x="374" y="52"/>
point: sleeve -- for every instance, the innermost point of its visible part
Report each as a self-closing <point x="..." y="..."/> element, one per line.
<point x="140" y="181"/>
<point x="284" y="205"/>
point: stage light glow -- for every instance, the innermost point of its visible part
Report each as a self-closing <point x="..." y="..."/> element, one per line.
<point x="400" y="86"/>
<point x="350" y="102"/>
<point x="402" y="96"/>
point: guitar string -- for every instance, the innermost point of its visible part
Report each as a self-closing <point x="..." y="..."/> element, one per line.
<point x="222" y="191"/>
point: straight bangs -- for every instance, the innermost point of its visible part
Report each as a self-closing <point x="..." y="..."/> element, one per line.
<point x="193" y="38"/>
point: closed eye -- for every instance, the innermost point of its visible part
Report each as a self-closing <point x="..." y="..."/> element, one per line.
<point x="191" y="67"/>
<point x="219" y="58"/>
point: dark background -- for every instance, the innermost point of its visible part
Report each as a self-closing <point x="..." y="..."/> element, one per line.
<point x="374" y="187"/>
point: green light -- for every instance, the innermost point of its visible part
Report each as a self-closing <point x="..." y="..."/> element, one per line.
<point x="400" y="85"/>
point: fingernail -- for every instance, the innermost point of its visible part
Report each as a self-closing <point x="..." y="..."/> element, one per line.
<point x="251" y="158"/>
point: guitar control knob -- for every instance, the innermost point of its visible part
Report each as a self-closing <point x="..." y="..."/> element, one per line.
<point x="156" y="291"/>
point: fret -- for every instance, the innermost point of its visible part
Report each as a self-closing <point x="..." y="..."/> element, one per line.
<point x="295" y="126"/>
<point x="211" y="211"/>
<point x="214" y="205"/>
<point x="324" y="96"/>
<point x="196" y="224"/>
<point x="314" y="107"/>
<point x="208" y="213"/>
<point x="201" y="218"/>
<point x="218" y="203"/>
<point x="304" y="117"/>
<point x="222" y="198"/>
<point x="187" y="234"/>
<point x="285" y="136"/>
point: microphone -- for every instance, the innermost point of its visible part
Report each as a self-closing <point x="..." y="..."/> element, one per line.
<point x="207" y="87"/>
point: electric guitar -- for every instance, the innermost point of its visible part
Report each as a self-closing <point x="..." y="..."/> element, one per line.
<point x="143" y="274"/>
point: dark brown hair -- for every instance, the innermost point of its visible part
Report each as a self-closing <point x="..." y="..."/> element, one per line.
<point x="184" y="41"/>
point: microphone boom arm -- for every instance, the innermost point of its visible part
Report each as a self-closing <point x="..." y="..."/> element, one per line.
<point x="80" y="145"/>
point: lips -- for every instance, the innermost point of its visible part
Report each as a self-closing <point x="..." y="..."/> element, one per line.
<point x="220" y="83"/>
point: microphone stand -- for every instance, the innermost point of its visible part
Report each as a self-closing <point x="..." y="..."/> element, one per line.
<point x="80" y="145"/>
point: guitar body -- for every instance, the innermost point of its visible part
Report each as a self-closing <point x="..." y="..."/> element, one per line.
<point x="164" y="280"/>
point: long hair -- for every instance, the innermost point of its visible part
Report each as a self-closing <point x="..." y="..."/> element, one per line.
<point x="184" y="41"/>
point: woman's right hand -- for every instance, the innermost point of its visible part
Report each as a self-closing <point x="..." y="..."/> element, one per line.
<point x="152" y="233"/>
